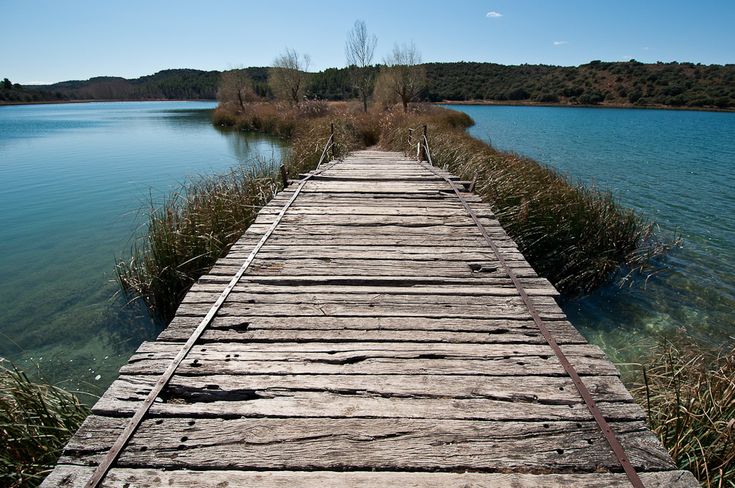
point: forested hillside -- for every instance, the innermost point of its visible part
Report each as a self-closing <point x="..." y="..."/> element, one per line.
<point x="607" y="83"/>
<point x="672" y="84"/>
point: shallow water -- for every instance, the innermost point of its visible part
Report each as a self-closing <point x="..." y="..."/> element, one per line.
<point x="73" y="178"/>
<point x="675" y="167"/>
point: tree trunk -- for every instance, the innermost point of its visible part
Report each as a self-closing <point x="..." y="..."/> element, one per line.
<point x="364" y="102"/>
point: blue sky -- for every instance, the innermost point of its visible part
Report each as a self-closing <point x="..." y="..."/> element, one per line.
<point x="48" y="41"/>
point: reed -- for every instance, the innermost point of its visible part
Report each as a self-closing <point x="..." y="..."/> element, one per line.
<point x="36" y="421"/>
<point x="188" y="231"/>
<point x="688" y="392"/>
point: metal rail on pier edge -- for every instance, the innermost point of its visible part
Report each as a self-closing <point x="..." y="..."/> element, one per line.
<point x="163" y="380"/>
<point x="424" y="154"/>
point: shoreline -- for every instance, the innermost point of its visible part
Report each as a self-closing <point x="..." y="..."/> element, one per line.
<point x="116" y="100"/>
<point x="509" y="103"/>
<point x="506" y="103"/>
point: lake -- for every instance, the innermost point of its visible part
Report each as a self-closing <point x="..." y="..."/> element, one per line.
<point x="676" y="168"/>
<point x="73" y="181"/>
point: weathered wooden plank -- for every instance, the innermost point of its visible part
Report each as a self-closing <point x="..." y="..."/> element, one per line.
<point x="332" y="335"/>
<point x="541" y="390"/>
<point x="375" y="299"/>
<point x="356" y="404"/>
<point x="369" y="359"/>
<point x="449" y="290"/>
<point x="381" y="444"/>
<point x="375" y="220"/>
<point x="468" y="351"/>
<point x="508" y="310"/>
<point x="72" y="476"/>
<point x="367" y="240"/>
<point x="562" y="330"/>
<point x="367" y="254"/>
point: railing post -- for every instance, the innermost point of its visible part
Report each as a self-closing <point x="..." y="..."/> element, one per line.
<point x="410" y="137"/>
<point x="422" y="151"/>
<point x="331" y="135"/>
<point x="284" y="175"/>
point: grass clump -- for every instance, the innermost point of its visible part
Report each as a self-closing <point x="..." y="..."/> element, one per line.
<point x="577" y="237"/>
<point x="688" y="393"/>
<point x="189" y="231"/>
<point x="36" y="421"/>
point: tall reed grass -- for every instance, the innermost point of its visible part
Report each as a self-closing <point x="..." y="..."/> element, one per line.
<point x="688" y="392"/>
<point x="36" y="421"/>
<point x="188" y="231"/>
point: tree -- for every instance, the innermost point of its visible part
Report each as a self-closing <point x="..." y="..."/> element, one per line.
<point x="403" y="74"/>
<point x="287" y="77"/>
<point x="359" y="50"/>
<point x="236" y="87"/>
<point x="7" y="84"/>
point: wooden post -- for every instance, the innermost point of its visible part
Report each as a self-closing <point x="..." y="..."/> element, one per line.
<point x="284" y="175"/>
<point x="331" y="133"/>
<point x="422" y="150"/>
<point x="410" y="137"/>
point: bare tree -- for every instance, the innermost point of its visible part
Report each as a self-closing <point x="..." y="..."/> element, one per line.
<point x="236" y="87"/>
<point x="403" y="73"/>
<point x="287" y="77"/>
<point x="359" y="50"/>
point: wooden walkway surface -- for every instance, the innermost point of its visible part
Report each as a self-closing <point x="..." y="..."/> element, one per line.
<point x="374" y="341"/>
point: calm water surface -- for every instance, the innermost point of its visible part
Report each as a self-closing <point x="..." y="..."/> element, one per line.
<point x="73" y="179"/>
<point x="677" y="168"/>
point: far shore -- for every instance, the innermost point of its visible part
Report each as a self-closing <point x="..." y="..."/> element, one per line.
<point x="501" y="103"/>
<point x="52" y="102"/>
<point x="520" y="103"/>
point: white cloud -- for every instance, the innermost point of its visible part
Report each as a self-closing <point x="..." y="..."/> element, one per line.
<point x="493" y="14"/>
<point x="646" y="48"/>
<point x="560" y="43"/>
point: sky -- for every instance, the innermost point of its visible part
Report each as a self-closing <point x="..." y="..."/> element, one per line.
<point x="47" y="41"/>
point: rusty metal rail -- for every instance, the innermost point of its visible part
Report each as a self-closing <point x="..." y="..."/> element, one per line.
<point x="584" y="392"/>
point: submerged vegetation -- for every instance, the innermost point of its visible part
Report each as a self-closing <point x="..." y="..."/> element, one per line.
<point x="36" y="421"/>
<point x="688" y="393"/>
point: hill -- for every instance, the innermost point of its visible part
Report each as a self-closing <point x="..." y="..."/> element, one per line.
<point x="629" y="83"/>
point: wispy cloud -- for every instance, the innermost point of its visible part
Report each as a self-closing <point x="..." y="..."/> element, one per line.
<point x="646" y="48"/>
<point x="560" y="43"/>
<point x="493" y="14"/>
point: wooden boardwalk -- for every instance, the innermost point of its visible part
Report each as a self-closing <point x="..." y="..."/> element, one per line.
<point x="375" y="340"/>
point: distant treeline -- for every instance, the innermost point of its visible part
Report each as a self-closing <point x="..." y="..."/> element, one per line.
<point x="605" y="83"/>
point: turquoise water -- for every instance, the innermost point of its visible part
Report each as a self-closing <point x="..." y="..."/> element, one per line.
<point x="675" y="167"/>
<point x="73" y="179"/>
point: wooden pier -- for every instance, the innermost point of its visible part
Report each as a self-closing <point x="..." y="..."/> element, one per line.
<point x="375" y="338"/>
